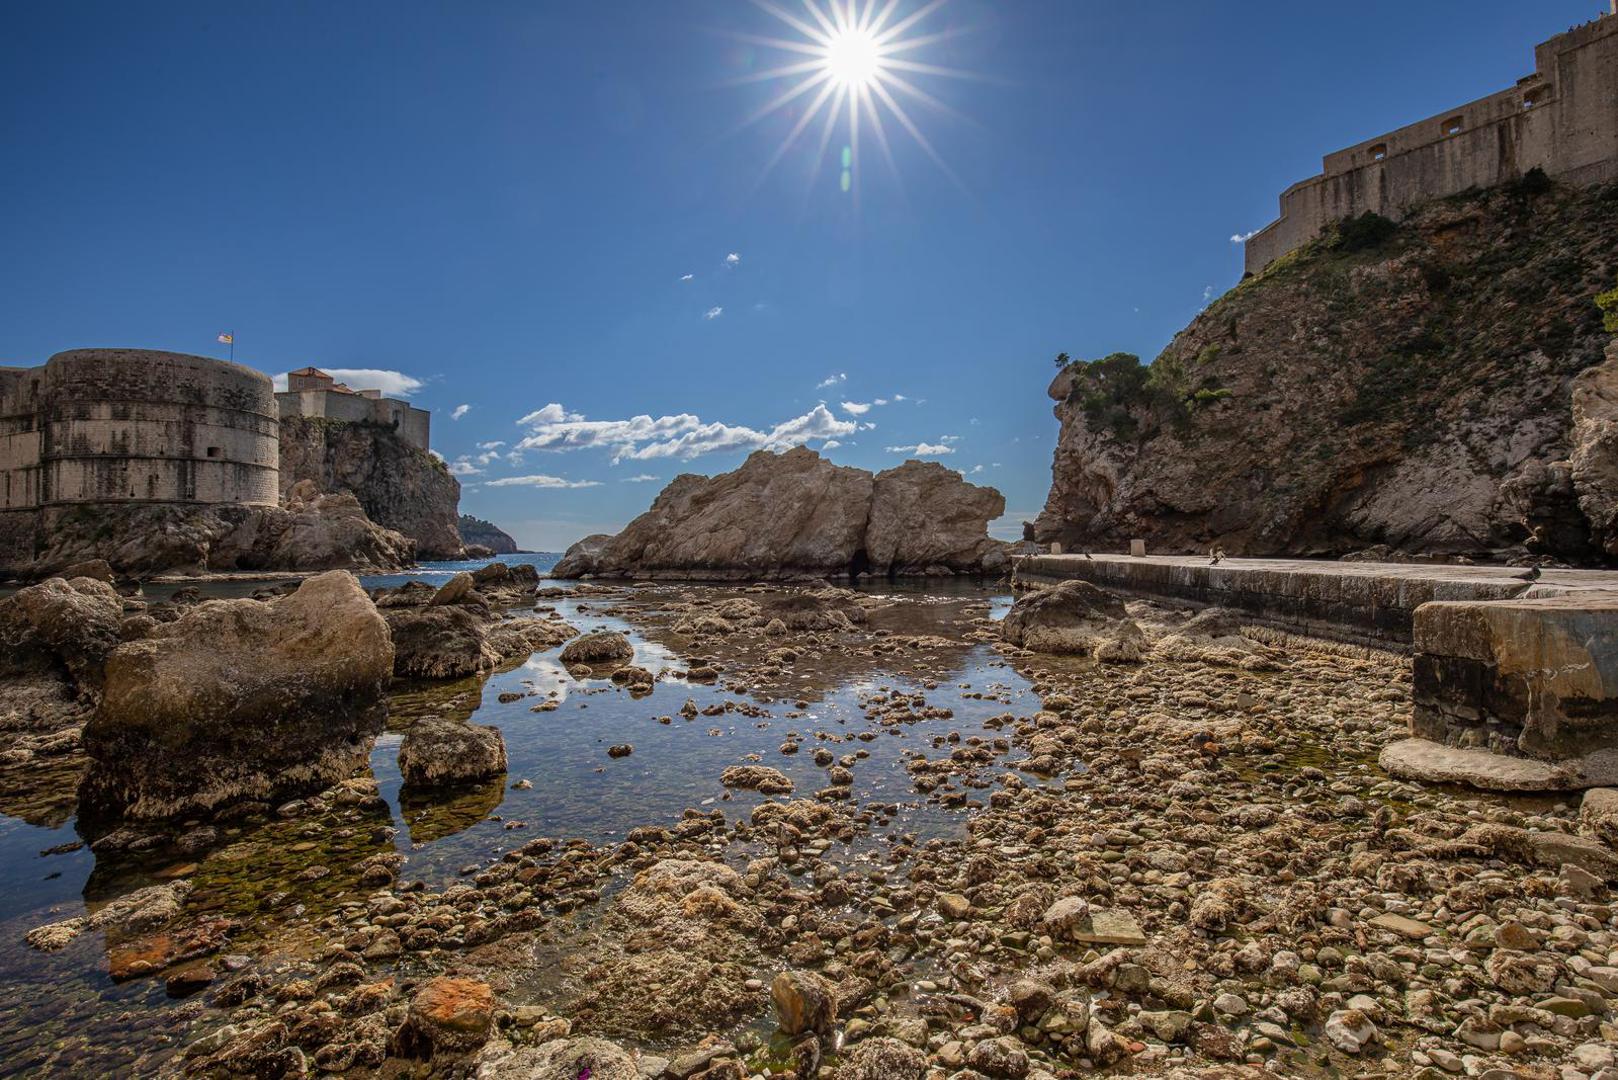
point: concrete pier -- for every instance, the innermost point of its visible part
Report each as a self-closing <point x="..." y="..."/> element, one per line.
<point x="1372" y="603"/>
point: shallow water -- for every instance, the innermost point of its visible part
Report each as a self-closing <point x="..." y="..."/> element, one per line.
<point x="63" y="1007"/>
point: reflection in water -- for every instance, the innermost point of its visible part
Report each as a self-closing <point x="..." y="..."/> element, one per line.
<point x="274" y="874"/>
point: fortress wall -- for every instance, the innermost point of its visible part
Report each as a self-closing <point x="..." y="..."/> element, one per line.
<point x="19" y="438"/>
<point x="1562" y="119"/>
<point x="125" y="425"/>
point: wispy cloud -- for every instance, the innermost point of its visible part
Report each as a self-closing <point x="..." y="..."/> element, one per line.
<point x="924" y="449"/>
<point x="733" y="260"/>
<point x="541" y="482"/>
<point x="643" y="478"/>
<point x="713" y="313"/>
<point x="1242" y="238"/>
<point x="685" y="436"/>
<point x="459" y="411"/>
<point x="831" y="380"/>
<point x="392" y="383"/>
<point x="461" y="466"/>
<point x="687" y="277"/>
<point x="856" y="408"/>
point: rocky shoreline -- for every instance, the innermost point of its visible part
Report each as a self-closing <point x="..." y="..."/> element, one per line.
<point x="1172" y="859"/>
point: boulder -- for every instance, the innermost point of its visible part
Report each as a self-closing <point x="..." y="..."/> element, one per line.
<point x="456" y="590"/>
<point x="599" y="647"/>
<point x="1073" y="617"/>
<point x="882" y="1059"/>
<point x="60" y="627"/>
<point x="559" y="1059"/>
<point x="450" y="1016"/>
<point x="439" y="642"/>
<point x="760" y="778"/>
<point x="804" y="1003"/>
<point x="782" y="516"/>
<point x="436" y="751"/>
<point x="239" y="699"/>
<point x="924" y="516"/>
<point x="1598" y="815"/>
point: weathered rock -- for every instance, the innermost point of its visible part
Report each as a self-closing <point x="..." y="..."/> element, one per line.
<point x="804" y="1003"/>
<point x="138" y="912"/>
<point x="759" y="778"/>
<point x="399" y="486"/>
<point x="449" y="641"/>
<point x="1598" y="815"/>
<point x="882" y="1059"/>
<point x="450" y="1016"/>
<point x="1436" y="763"/>
<point x="1072" y="617"/>
<point x="435" y="751"/>
<point x="61" y="627"/>
<point x="328" y="532"/>
<point x="1229" y="440"/>
<point x="600" y="647"/>
<point x="795" y="514"/>
<point x="457" y="589"/>
<point x="560" y="1059"/>
<point x="239" y="699"/>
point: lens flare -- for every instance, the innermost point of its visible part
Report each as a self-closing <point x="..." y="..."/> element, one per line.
<point x="852" y="65"/>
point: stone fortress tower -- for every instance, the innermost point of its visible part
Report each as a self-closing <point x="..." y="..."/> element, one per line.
<point x="103" y="427"/>
<point x="1562" y="119"/>
<point x="120" y="425"/>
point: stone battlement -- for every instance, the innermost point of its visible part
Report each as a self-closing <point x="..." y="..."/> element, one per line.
<point x="1562" y="119"/>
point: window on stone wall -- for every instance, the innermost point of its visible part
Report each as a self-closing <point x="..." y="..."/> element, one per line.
<point x="1535" y="97"/>
<point x="1453" y="126"/>
<point x="213" y="451"/>
<point x="1379" y="152"/>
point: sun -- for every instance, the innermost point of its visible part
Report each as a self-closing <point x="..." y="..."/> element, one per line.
<point x="853" y="58"/>
<point x="852" y="66"/>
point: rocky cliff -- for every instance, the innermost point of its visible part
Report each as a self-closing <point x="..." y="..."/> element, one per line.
<point x="1437" y="386"/>
<point x="480" y="533"/>
<point x="796" y="514"/>
<point x="400" y="487"/>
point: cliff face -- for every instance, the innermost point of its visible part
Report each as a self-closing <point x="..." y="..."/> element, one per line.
<point x="400" y="487"/>
<point x="485" y="534"/>
<point x="1409" y="385"/>
<point x="795" y="514"/>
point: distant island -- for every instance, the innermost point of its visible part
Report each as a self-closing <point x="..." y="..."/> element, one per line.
<point x="475" y="532"/>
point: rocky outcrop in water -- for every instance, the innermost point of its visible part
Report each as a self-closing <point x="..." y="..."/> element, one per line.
<point x="795" y="514"/>
<point x="1074" y="617"/>
<point x="476" y="531"/>
<point x="1435" y="387"/>
<point x="401" y="487"/>
<point x="323" y="532"/>
<point x="436" y="751"/>
<point x="239" y="700"/>
<point x="455" y="631"/>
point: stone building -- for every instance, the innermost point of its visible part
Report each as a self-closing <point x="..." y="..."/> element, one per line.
<point x="1562" y="119"/>
<point x="313" y="393"/>
<point x="121" y="425"/>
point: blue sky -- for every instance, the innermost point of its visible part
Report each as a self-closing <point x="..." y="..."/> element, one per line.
<point x="552" y="214"/>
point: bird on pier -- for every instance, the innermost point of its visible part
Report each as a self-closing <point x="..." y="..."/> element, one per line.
<point x="1215" y="554"/>
<point x="1087" y="555"/>
<point x="1531" y="574"/>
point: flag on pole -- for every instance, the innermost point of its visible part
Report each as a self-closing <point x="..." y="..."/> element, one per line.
<point x="227" y="339"/>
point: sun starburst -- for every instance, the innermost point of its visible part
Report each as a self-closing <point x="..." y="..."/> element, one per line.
<point x="847" y="66"/>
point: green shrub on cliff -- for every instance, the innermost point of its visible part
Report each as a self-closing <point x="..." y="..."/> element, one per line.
<point x="1608" y="303"/>
<point x="1119" y="394"/>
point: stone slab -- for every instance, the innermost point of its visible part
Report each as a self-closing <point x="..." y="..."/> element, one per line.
<point x="1432" y="762"/>
<point x="1108" y="928"/>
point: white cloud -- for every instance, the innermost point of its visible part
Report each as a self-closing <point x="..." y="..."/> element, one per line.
<point x="392" y="383"/>
<point x="495" y="445"/>
<point x="830" y="444"/>
<point x="1207" y="294"/>
<point x="463" y="467"/>
<point x="857" y="408"/>
<point x="541" y="481"/>
<point x="436" y="454"/>
<point x="923" y="449"/>
<point x="977" y="469"/>
<point x="687" y="277"/>
<point x="644" y="438"/>
<point x="830" y="380"/>
<point x="900" y="397"/>
<point x="713" y="313"/>
<point x="734" y="259"/>
<point x="1240" y="238"/>
<point x="459" y="411"/>
<point x="642" y="478"/>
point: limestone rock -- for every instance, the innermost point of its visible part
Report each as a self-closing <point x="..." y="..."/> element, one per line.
<point x="1073" y="617"/>
<point x="1598" y="815"/>
<point x="440" y="642"/>
<point x="600" y="647"/>
<point x="450" y="1015"/>
<point x="1436" y="763"/>
<point x="804" y="1003"/>
<point x="924" y="516"/>
<point x="795" y="514"/>
<point x="61" y="627"/>
<point x="239" y="699"/>
<point x="882" y="1059"/>
<point x="760" y="778"/>
<point x="435" y="751"/>
<point x="1280" y="423"/>
<point x="559" y="1059"/>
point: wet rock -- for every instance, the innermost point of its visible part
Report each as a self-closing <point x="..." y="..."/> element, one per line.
<point x="456" y="590"/>
<point x="449" y="1015"/>
<point x="435" y="751"/>
<point x="882" y="1059"/>
<point x="600" y="647"/>
<point x="759" y="778"/>
<point x="240" y="699"/>
<point x="137" y="912"/>
<point x="1072" y="617"/>
<point x="1349" y="1030"/>
<point x="561" y="1059"/>
<point x="804" y="1003"/>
